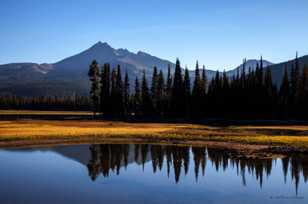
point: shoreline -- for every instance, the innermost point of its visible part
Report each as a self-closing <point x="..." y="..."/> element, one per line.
<point x="20" y="130"/>
<point x="252" y="151"/>
<point x="234" y="149"/>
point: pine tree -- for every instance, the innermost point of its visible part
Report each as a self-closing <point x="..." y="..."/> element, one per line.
<point x="169" y="80"/>
<point x="168" y="91"/>
<point x="259" y="101"/>
<point x="204" y="80"/>
<point x="284" y="92"/>
<point x="197" y="82"/>
<point x="295" y="85"/>
<point x="126" y="100"/>
<point x="94" y="78"/>
<point x="119" y="93"/>
<point x="187" y="90"/>
<point x="216" y="95"/>
<point x="197" y="94"/>
<point x="270" y="92"/>
<point x="154" y="91"/>
<point x="137" y="98"/>
<point x="268" y="80"/>
<point x="225" y="81"/>
<point x="177" y="106"/>
<point x="203" y="90"/>
<point x="160" y="93"/>
<point x="225" y="92"/>
<point x="105" y="90"/>
<point x="146" y="102"/>
<point x="113" y="93"/>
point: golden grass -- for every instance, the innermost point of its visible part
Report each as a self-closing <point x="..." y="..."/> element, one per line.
<point x="41" y="129"/>
<point x="28" y="130"/>
<point x="277" y="127"/>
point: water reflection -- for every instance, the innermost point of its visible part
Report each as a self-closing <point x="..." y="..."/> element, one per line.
<point x="116" y="157"/>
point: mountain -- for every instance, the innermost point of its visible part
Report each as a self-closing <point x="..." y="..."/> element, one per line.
<point x="69" y="76"/>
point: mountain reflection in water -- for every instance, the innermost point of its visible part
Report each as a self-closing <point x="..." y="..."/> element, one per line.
<point x="105" y="158"/>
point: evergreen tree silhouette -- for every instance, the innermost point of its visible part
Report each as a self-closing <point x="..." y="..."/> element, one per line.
<point x="154" y="87"/>
<point x="137" y="98"/>
<point x="177" y="105"/>
<point x="105" y="90"/>
<point x="94" y="78"/>
<point x="187" y="90"/>
<point x="197" y="95"/>
<point x="146" y="102"/>
<point x="168" y="91"/>
<point x="126" y="95"/>
<point x="119" y="88"/>
<point x="161" y="95"/>
<point x="284" y="93"/>
<point x="113" y="93"/>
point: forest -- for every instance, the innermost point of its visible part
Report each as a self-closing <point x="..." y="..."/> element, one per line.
<point x="69" y="103"/>
<point x="248" y="94"/>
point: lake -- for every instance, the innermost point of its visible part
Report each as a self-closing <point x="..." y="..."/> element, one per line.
<point x="144" y="173"/>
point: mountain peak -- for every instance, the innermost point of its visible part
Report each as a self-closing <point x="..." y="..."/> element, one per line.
<point x="100" y="44"/>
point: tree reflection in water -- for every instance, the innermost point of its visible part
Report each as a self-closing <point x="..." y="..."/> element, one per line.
<point x="114" y="157"/>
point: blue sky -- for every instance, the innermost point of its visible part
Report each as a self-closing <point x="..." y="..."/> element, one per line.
<point x="217" y="33"/>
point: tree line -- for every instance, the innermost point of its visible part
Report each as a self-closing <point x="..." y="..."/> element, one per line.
<point x="76" y="102"/>
<point x="250" y="93"/>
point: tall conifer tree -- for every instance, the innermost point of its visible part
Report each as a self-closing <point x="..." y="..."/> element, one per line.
<point x="168" y="91"/>
<point x="137" y="98"/>
<point x="113" y="93"/>
<point x="160" y="93"/>
<point x="295" y="82"/>
<point x="126" y="98"/>
<point x="187" y="90"/>
<point x="177" y="106"/>
<point x="154" y="91"/>
<point x="197" y="95"/>
<point x="105" y="90"/>
<point x="94" y="78"/>
<point x="284" y="92"/>
<point x="119" y="92"/>
<point x="146" y="102"/>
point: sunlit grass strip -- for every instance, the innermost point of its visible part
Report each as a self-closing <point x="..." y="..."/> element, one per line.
<point x="297" y="141"/>
<point x="32" y="130"/>
<point x="272" y="127"/>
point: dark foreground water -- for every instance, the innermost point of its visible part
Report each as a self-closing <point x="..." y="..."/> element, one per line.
<point x="133" y="174"/>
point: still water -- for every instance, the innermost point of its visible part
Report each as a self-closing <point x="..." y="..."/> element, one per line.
<point x="122" y="173"/>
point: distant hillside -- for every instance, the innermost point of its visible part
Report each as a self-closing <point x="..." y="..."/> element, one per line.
<point x="278" y="69"/>
<point x="250" y="64"/>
